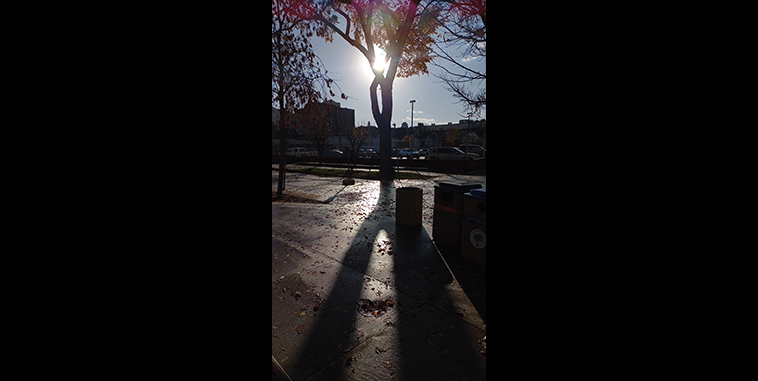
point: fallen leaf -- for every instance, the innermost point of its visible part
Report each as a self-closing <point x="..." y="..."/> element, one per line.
<point x="389" y="364"/>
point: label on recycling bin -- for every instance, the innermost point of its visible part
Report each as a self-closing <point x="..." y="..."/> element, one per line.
<point x="478" y="238"/>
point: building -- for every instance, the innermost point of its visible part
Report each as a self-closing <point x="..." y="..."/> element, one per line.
<point x="340" y="121"/>
<point x="463" y="124"/>
<point x="434" y="135"/>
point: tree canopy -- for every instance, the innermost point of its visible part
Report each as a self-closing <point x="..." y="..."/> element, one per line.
<point x="403" y="29"/>
<point x="298" y="77"/>
<point x="464" y="29"/>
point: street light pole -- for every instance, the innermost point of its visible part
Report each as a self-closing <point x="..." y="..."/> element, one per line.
<point x="468" y="129"/>
<point x="413" y="101"/>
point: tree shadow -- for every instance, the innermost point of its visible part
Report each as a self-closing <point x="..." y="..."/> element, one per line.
<point x="334" y="332"/>
<point x="418" y="338"/>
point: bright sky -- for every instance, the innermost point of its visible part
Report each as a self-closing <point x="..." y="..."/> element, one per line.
<point x="350" y="69"/>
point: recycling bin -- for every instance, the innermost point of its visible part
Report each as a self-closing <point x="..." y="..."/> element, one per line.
<point x="474" y="233"/>
<point x="408" y="202"/>
<point x="448" y="211"/>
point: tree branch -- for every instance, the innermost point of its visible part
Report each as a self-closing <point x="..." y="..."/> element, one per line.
<point x="347" y="19"/>
<point x="343" y="35"/>
<point x="365" y="20"/>
<point x="450" y="59"/>
<point x="374" y="100"/>
<point x="396" y="48"/>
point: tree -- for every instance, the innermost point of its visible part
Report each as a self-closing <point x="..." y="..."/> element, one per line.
<point x="452" y="136"/>
<point x="356" y="137"/>
<point x="464" y="29"/>
<point x="296" y="73"/>
<point x="400" y="29"/>
<point x="317" y="123"/>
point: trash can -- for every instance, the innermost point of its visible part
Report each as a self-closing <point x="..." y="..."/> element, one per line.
<point x="408" y="203"/>
<point x="474" y="235"/>
<point x="448" y="211"/>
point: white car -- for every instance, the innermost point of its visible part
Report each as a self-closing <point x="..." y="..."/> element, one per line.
<point x="473" y="148"/>
<point x="449" y="153"/>
<point x="299" y="152"/>
<point x="406" y="152"/>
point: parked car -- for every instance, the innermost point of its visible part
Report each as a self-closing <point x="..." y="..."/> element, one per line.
<point x="449" y="153"/>
<point x="299" y="152"/>
<point x="423" y="152"/>
<point x="367" y="153"/>
<point x="407" y="152"/>
<point x="473" y="148"/>
<point x="335" y="153"/>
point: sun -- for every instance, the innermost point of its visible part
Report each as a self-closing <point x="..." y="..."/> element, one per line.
<point x="380" y="56"/>
<point x="379" y="63"/>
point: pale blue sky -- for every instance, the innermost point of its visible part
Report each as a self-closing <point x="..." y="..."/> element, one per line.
<point x="350" y="69"/>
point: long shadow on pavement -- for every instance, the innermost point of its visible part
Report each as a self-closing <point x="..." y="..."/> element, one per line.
<point x="419" y="338"/>
<point x="435" y="343"/>
<point x="336" y="331"/>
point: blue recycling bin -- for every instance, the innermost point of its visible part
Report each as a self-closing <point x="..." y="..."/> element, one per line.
<point x="474" y="232"/>
<point x="448" y="211"/>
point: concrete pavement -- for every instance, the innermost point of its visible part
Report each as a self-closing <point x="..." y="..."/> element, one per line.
<point x="328" y="259"/>
<point x="330" y="189"/>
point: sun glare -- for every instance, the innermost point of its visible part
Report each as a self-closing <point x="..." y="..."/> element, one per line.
<point x="379" y="63"/>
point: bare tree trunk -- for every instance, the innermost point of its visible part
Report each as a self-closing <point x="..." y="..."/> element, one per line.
<point x="282" y="150"/>
<point x="386" y="172"/>
<point x="385" y="136"/>
<point x="282" y="167"/>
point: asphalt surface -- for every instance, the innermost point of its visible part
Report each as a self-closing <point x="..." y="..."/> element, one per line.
<point x="355" y="297"/>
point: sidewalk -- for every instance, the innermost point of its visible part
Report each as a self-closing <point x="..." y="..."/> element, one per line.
<point x="356" y="297"/>
<point x="323" y="188"/>
<point x="435" y="176"/>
